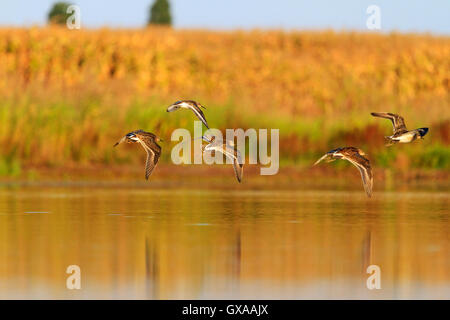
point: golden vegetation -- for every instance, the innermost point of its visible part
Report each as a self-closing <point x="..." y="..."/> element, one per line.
<point x="66" y="95"/>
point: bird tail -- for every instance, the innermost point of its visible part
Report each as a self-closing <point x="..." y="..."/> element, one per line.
<point x="389" y="141"/>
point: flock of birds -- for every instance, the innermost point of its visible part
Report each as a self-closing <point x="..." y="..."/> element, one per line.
<point x="149" y="141"/>
<point x="353" y="155"/>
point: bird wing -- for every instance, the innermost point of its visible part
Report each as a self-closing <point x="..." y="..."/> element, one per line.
<point x="238" y="165"/>
<point x="147" y="140"/>
<point x="232" y="154"/>
<point x="364" y="167"/>
<point x="150" y="163"/>
<point x="238" y="170"/>
<point x="199" y="113"/>
<point x="194" y="107"/>
<point x="398" y="122"/>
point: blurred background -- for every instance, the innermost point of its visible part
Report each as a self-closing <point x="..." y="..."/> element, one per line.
<point x="312" y="70"/>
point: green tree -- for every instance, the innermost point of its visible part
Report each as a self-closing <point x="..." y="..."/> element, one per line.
<point x="58" y="13"/>
<point x="160" y="13"/>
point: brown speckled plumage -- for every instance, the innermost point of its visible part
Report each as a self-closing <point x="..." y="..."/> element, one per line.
<point x="401" y="134"/>
<point x="356" y="157"/>
<point x="148" y="141"/>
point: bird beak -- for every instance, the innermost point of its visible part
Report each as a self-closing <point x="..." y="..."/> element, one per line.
<point x="115" y="144"/>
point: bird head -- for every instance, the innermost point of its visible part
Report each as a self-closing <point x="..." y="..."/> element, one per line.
<point x="174" y="106"/>
<point x="131" y="137"/>
<point x="422" y="132"/>
<point x="180" y="104"/>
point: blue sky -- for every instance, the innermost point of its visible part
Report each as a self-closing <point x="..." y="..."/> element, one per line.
<point x="399" y="15"/>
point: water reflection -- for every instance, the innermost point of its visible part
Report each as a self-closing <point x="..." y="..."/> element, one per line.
<point x="159" y="244"/>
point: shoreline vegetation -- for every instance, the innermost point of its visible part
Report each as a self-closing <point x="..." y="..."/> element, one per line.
<point x="66" y="95"/>
<point x="204" y="177"/>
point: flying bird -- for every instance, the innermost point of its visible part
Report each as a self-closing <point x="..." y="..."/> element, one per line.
<point x="149" y="143"/>
<point x="401" y="134"/>
<point x="190" y="104"/>
<point x="229" y="152"/>
<point x="356" y="157"/>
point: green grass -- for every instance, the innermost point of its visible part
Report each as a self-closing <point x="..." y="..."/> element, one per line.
<point x="10" y="167"/>
<point x="57" y="132"/>
<point x="436" y="156"/>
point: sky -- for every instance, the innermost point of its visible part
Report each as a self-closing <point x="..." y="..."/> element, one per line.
<point x="396" y="15"/>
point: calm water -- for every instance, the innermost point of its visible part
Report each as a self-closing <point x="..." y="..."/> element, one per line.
<point x="159" y="244"/>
